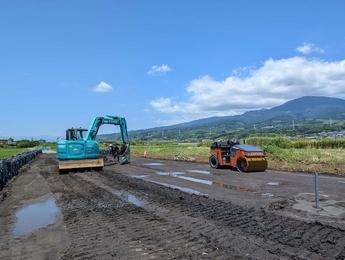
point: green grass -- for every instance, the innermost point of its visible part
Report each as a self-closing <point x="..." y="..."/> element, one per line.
<point x="169" y="150"/>
<point x="202" y="153"/>
<point x="323" y="156"/>
<point x="7" y="152"/>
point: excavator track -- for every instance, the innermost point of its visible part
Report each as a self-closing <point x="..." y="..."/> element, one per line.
<point x="254" y="164"/>
<point x="80" y="164"/>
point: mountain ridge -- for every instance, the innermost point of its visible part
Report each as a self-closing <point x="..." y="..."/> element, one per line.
<point x="298" y="104"/>
<point x="304" y="110"/>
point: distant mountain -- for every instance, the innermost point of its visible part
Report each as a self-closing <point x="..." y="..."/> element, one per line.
<point x="308" y="106"/>
<point x="304" y="107"/>
<point x="309" y="102"/>
<point x="304" y="110"/>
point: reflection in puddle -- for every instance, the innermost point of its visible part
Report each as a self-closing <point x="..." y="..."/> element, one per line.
<point x="36" y="215"/>
<point x="130" y="198"/>
<point x="154" y="164"/>
<point x="170" y="173"/>
<point x="176" y="173"/>
<point x="140" y="176"/>
<point x="197" y="171"/>
<point x="195" y="180"/>
<point x="273" y="183"/>
<point x="162" y="173"/>
<point x="342" y="181"/>
<point x="223" y="185"/>
<point x="123" y="195"/>
<point x="220" y="185"/>
<point x="191" y="191"/>
<point x="268" y="194"/>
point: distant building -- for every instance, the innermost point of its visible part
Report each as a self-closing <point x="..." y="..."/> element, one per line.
<point x="5" y="142"/>
<point x="41" y="141"/>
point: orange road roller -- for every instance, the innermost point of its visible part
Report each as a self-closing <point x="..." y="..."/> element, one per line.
<point x="243" y="157"/>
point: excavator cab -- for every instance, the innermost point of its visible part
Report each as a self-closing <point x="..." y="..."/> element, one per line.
<point x="75" y="133"/>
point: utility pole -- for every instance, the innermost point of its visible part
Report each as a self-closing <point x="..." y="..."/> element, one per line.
<point x="293" y="124"/>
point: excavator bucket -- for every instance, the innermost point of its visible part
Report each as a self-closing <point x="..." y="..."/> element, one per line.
<point x="254" y="164"/>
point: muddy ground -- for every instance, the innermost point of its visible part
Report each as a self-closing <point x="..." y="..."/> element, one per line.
<point x="154" y="209"/>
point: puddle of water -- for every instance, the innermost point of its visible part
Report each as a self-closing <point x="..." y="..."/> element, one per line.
<point x="191" y="191"/>
<point x="130" y="198"/>
<point x="170" y="173"/>
<point x="197" y="171"/>
<point x="195" y="180"/>
<point x="126" y="196"/>
<point x="154" y="164"/>
<point x="220" y="185"/>
<point x="176" y="173"/>
<point x="162" y="173"/>
<point x="140" y="176"/>
<point x="268" y="194"/>
<point x="341" y="181"/>
<point x="273" y="183"/>
<point x="36" y="215"/>
<point x="227" y="186"/>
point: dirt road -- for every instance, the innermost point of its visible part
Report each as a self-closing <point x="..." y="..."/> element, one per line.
<point x="152" y="209"/>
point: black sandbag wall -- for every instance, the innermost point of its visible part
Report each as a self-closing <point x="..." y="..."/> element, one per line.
<point x="9" y="167"/>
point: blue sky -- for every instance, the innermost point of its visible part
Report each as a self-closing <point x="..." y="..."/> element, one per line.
<point x="160" y="63"/>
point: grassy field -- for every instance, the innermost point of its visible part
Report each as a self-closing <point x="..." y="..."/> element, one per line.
<point x="170" y="150"/>
<point x="201" y="153"/>
<point x="6" y="152"/>
<point x="322" y="160"/>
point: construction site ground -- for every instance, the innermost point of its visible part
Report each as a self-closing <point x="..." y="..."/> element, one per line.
<point x="162" y="209"/>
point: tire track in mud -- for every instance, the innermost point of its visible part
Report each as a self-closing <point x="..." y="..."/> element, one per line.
<point x="102" y="226"/>
<point x="175" y="224"/>
<point x="230" y="225"/>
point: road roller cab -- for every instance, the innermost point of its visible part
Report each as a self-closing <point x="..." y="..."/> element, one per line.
<point x="243" y="157"/>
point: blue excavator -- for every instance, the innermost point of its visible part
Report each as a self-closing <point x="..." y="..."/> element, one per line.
<point x="81" y="150"/>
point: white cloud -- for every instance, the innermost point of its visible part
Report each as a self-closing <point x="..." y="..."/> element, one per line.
<point x="159" y="69"/>
<point x="274" y="83"/>
<point x="307" y="48"/>
<point x="103" y="87"/>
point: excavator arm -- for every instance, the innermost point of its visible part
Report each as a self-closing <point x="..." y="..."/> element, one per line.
<point x="97" y="122"/>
